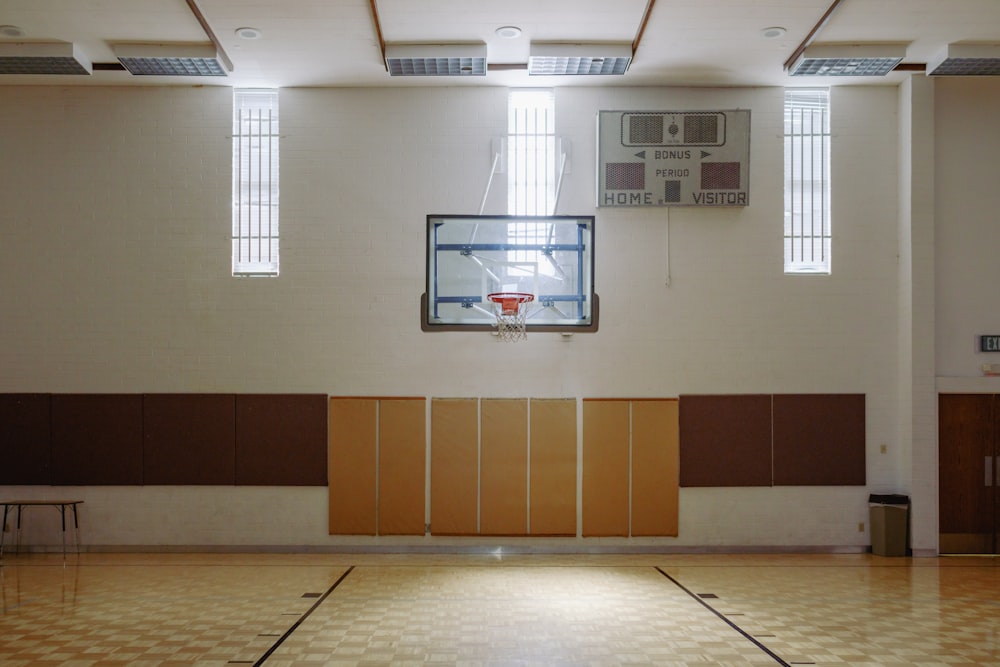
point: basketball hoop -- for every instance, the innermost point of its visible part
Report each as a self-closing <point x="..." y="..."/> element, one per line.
<point x="512" y="311"/>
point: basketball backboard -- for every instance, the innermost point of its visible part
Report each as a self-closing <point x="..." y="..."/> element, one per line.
<point x="472" y="256"/>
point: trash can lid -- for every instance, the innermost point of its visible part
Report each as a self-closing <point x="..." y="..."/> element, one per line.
<point x="889" y="499"/>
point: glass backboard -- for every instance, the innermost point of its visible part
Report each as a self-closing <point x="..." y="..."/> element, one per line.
<point x="549" y="257"/>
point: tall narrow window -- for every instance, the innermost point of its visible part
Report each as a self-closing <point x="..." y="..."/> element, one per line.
<point x="807" y="181"/>
<point x="255" y="183"/>
<point x="531" y="152"/>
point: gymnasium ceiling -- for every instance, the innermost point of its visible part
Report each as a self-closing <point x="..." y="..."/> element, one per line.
<point x="337" y="42"/>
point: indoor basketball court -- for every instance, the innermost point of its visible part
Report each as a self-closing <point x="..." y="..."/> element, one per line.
<point x="499" y="333"/>
<point x="497" y="609"/>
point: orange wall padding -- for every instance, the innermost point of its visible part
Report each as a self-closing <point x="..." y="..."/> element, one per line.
<point x="605" y="468"/>
<point x="351" y="463"/>
<point x="454" y="466"/>
<point x="655" y="468"/>
<point x="503" y="473"/>
<point x="401" y="469"/>
<point x="553" y="467"/>
<point x="504" y="467"/>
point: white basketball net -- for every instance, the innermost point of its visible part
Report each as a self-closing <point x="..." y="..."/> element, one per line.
<point x="512" y="313"/>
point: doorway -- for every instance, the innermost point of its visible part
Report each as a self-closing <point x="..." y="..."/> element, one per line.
<point x="968" y="462"/>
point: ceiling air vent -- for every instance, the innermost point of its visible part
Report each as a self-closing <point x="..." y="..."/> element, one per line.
<point x="966" y="60"/>
<point x="579" y="59"/>
<point x="436" y="59"/>
<point x="43" y="58"/>
<point x="170" y="59"/>
<point x="848" y="60"/>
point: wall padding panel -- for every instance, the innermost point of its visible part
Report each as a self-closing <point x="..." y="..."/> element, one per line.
<point x="819" y="439"/>
<point x="189" y="439"/>
<point x="281" y="439"/>
<point x="352" y="466"/>
<point x="553" y="467"/>
<point x="454" y="466"/>
<point x="504" y="469"/>
<point x="25" y="439"/>
<point x="96" y="439"/>
<point x="725" y="440"/>
<point x="402" y="445"/>
<point x="605" y="468"/>
<point x="655" y="467"/>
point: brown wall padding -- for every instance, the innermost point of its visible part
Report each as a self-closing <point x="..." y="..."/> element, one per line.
<point x="281" y="439"/>
<point x="401" y="469"/>
<point x="605" y="468"/>
<point x="654" y="468"/>
<point x="25" y="439"/>
<point x="189" y="439"/>
<point x="504" y="469"/>
<point x="725" y="440"/>
<point x="553" y="467"/>
<point x="96" y="439"/>
<point x="819" y="439"/>
<point x="352" y="466"/>
<point x="454" y="466"/>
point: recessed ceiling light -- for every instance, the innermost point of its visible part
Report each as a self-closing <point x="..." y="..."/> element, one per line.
<point x="508" y="32"/>
<point x="248" y="33"/>
<point x="436" y="59"/>
<point x="971" y="59"/>
<point x="170" y="59"/>
<point x="43" y="58"/>
<point x="568" y="59"/>
<point x="774" y="32"/>
<point x="11" y="31"/>
<point x="848" y="60"/>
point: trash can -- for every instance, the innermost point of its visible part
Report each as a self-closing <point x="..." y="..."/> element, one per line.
<point x="888" y="519"/>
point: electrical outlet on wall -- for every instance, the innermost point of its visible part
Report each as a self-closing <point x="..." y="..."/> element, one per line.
<point x="861" y="527"/>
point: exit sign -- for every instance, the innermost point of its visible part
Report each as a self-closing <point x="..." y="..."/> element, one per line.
<point x="990" y="343"/>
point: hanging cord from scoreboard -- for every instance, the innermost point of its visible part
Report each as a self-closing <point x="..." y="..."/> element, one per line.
<point x="666" y="243"/>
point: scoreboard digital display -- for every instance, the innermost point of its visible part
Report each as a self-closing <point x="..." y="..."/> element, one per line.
<point x="673" y="158"/>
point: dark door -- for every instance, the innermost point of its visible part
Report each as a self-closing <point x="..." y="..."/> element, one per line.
<point x="968" y="428"/>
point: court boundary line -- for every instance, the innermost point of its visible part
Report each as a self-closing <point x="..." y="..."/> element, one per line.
<point x="726" y="620"/>
<point x="289" y="631"/>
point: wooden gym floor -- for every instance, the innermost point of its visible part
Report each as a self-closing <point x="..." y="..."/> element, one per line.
<point x="403" y="609"/>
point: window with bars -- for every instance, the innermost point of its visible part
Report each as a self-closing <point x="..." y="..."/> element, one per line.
<point x="531" y="152"/>
<point x="255" y="182"/>
<point x="807" y="181"/>
<point x="532" y="172"/>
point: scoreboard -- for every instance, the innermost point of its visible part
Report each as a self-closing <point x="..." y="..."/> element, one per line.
<point x="673" y="158"/>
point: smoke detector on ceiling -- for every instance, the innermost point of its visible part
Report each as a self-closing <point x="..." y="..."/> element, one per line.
<point x="248" y="33"/>
<point x="508" y="32"/>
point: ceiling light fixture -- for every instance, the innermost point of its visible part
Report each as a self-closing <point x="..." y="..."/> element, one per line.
<point x="774" y="32"/>
<point x="43" y="58"/>
<point x="11" y="31"/>
<point x="170" y="59"/>
<point x="848" y="60"/>
<point x="508" y="32"/>
<point x="966" y="60"/>
<point x="579" y="59"/>
<point x="436" y="59"/>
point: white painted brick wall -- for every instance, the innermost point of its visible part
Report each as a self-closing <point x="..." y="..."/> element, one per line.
<point x="115" y="275"/>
